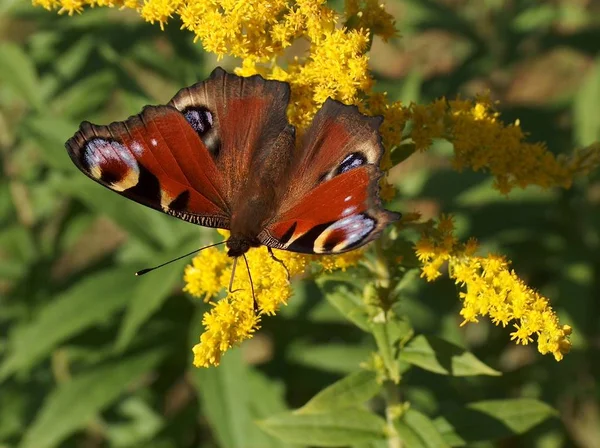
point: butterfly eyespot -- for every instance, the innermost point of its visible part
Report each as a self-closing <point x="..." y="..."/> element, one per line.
<point x="345" y="233"/>
<point x="201" y="119"/>
<point x="351" y="161"/>
<point x="112" y="163"/>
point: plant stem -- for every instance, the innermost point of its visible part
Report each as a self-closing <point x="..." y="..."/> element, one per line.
<point x="392" y="399"/>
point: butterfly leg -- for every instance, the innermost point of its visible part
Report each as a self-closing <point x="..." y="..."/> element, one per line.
<point x="280" y="262"/>
<point x="254" y="302"/>
<point x="230" y="288"/>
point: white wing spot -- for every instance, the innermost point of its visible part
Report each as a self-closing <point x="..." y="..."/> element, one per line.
<point x="137" y="148"/>
<point x="153" y="141"/>
<point x="349" y="211"/>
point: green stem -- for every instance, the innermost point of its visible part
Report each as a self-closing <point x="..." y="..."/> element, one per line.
<point x="392" y="399"/>
<point x="381" y="267"/>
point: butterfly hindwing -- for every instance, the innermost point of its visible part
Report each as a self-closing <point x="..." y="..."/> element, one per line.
<point x="332" y="204"/>
<point x="154" y="158"/>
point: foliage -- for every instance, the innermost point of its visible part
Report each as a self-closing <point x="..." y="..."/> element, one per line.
<point x="368" y="357"/>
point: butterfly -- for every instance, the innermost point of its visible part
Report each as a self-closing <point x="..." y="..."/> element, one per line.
<point x="222" y="154"/>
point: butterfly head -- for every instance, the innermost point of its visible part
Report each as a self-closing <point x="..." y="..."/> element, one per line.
<point x="238" y="245"/>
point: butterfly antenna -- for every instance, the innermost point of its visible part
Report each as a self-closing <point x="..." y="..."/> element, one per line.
<point x="281" y="263"/>
<point x="254" y="303"/>
<point x="145" y="271"/>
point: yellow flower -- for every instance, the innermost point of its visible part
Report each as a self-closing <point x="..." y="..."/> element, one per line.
<point x="203" y="277"/>
<point x="371" y="15"/>
<point x="226" y="325"/>
<point x="159" y="10"/>
<point x="492" y="289"/>
<point x="233" y="319"/>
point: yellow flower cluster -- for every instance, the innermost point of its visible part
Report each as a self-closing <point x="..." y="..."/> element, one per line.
<point x="492" y="289"/>
<point x="336" y="67"/>
<point x="482" y="142"/>
<point x="232" y="319"/>
<point x="370" y="15"/>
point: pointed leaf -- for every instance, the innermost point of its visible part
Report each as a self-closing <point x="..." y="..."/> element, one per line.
<point x="224" y="395"/>
<point x="73" y="404"/>
<point x="491" y="420"/>
<point x="142" y="223"/>
<point x="439" y="356"/>
<point x="87" y="95"/>
<point x="351" y="391"/>
<point x="417" y="430"/>
<point x="149" y="294"/>
<point x="587" y="121"/>
<point x="50" y="133"/>
<point x="267" y="397"/>
<point x="87" y="303"/>
<point x="348" y="303"/>
<point x="142" y="424"/>
<point x="18" y="71"/>
<point x="339" y="358"/>
<point x="337" y="428"/>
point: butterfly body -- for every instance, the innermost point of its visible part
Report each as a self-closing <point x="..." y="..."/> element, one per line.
<point x="222" y="154"/>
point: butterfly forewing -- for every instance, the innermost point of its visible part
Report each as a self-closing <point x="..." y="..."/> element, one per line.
<point x="250" y="137"/>
<point x="156" y="159"/>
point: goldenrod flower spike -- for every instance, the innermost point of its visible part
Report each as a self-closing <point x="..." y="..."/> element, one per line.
<point x="492" y="289"/>
<point x="232" y="319"/>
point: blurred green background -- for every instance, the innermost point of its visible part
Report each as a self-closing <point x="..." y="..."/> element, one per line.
<point x="91" y="356"/>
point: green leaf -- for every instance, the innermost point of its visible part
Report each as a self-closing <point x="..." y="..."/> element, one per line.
<point x="339" y="294"/>
<point x="50" y="133"/>
<point x="88" y="95"/>
<point x="417" y="430"/>
<point x="351" y="391"/>
<point x="13" y="411"/>
<point x="339" y="358"/>
<point x="73" y="404"/>
<point x="224" y="395"/>
<point x="18" y="71"/>
<point x="337" y="428"/>
<point x="141" y="426"/>
<point x="266" y="398"/>
<point x="149" y="294"/>
<point x="72" y="60"/>
<point x="90" y="302"/>
<point x="585" y="111"/>
<point x="402" y="152"/>
<point x="491" y="420"/>
<point x="536" y="18"/>
<point x="140" y="222"/>
<point x="372" y="444"/>
<point x="439" y="356"/>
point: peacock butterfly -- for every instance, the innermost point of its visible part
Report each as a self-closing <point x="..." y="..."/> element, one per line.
<point x="222" y="154"/>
